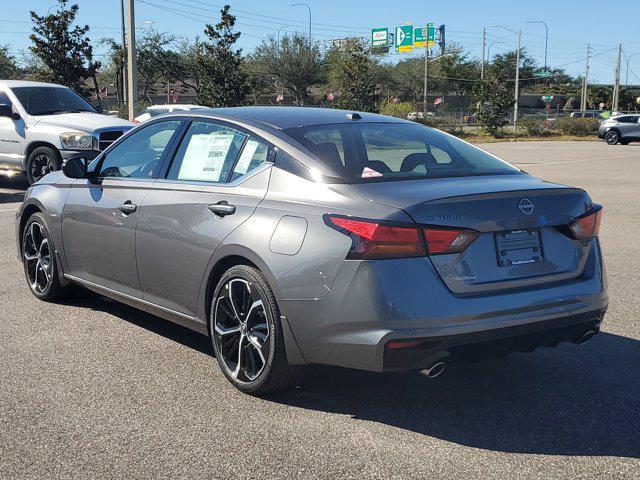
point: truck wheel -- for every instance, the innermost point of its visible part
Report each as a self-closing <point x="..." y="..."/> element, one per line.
<point x="42" y="161"/>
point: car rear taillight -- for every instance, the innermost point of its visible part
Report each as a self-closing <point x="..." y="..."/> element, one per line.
<point x="375" y="240"/>
<point x="448" y="240"/>
<point x="587" y="225"/>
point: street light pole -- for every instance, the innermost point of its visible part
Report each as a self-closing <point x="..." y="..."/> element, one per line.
<point x="517" y="89"/>
<point x="546" y="40"/>
<point x="131" y="60"/>
<point x="425" y="102"/>
<point x="308" y="8"/>
<point x="484" y="43"/>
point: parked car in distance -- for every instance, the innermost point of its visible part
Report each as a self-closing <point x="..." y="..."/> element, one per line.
<point x="621" y="129"/>
<point x="295" y="236"/>
<point x="587" y="114"/>
<point x="155" y="110"/>
<point x="42" y="124"/>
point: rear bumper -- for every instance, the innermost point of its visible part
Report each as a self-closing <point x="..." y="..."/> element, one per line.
<point x="372" y="303"/>
<point x="490" y="343"/>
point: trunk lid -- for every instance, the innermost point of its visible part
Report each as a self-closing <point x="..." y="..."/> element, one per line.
<point x="516" y="216"/>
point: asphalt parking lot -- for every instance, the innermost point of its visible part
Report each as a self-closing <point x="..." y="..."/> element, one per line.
<point x="94" y="389"/>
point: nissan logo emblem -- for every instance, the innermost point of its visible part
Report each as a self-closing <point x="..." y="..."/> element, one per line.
<point x="526" y="206"/>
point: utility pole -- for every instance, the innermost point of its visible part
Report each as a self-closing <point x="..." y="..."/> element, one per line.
<point x="616" y="86"/>
<point x="484" y="43"/>
<point x="132" y="78"/>
<point x="585" y="82"/>
<point x="425" y="104"/>
<point x="517" y="89"/>
<point x="123" y="66"/>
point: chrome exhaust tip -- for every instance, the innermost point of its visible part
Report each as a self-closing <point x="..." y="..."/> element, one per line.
<point x="586" y="336"/>
<point x="434" y="370"/>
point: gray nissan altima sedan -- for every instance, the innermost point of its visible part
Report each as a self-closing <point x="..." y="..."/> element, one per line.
<point x="295" y="236"/>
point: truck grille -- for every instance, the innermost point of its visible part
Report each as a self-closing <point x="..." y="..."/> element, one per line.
<point x="108" y="137"/>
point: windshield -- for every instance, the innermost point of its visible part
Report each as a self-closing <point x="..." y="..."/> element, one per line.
<point x="366" y="152"/>
<point x="51" y="100"/>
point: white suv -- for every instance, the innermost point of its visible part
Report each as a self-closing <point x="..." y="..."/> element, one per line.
<point x="42" y="124"/>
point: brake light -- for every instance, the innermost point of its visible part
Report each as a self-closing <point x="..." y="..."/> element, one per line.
<point x="449" y="240"/>
<point x="587" y="225"/>
<point x="375" y="240"/>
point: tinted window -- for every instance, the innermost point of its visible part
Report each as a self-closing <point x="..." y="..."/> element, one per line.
<point x="49" y="100"/>
<point x="207" y="153"/>
<point x="627" y="119"/>
<point x="139" y="155"/>
<point x="4" y="99"/>
<point x="386" y="151"/>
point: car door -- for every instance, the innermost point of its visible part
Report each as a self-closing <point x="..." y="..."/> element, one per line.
<point x="218" y="176"/>
<point x="12" y="134"/>
<point x="100" y="214"/>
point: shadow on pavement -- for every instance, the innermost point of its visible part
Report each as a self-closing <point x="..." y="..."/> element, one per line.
<point x="571" y="400"/>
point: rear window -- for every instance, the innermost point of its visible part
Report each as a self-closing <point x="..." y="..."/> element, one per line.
<point x="367" y="152"/>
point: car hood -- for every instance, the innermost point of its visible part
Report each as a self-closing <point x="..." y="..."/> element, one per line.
<point x="84" y="122"/>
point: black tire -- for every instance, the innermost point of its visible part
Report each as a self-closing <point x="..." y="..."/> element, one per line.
<point x="612" y="137"/>
<point x="250" y="332"/>
<point x="39" y="260"/>
<point x="42" y="161"/>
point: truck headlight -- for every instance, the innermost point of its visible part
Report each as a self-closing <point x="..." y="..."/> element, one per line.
<point x="76" y="141"/>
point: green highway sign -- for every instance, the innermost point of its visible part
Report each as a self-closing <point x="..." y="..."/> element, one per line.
<point x="431" y="34"/>
<point x="404" y="38"/>
<point x="420" y="38"/>
<point x="379" y="37"/>
<point x="542" y="74"/>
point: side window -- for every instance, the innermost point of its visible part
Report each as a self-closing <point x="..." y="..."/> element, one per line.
<point x="4" y="99"/>
<point x="139" y="155"/>
<point x="207" y="153"/>
<point x="254" y="154"/>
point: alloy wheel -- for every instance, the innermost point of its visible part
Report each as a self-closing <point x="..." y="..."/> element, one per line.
<point x="40" y="166"/>
<point x="241" y="330"/>
<point x="611" y="137"/>
<point x="37" y="258"/>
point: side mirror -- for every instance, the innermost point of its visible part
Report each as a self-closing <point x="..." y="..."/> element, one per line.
<point x="75" y="167"/>
<point x="5" y="110"/>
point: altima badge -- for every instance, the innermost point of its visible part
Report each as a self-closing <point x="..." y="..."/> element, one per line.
<point x="526" y="206"/>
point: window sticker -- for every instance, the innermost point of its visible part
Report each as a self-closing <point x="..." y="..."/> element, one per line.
<point x="247" y="155"/>
<point x="205" y="157"/>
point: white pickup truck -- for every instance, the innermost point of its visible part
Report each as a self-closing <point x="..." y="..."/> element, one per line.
<point x="42" y="124"/>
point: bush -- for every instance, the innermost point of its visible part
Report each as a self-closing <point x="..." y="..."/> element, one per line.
<point x="580" y="127"/>
<point x="532" y="126"/>
<point x="399" y="110"/>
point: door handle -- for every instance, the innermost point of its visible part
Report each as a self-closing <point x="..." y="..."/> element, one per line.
<point x="222" y="208"/>
<point x="128" y="208"/>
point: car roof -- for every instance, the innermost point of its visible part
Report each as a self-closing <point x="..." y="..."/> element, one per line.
<point x="174" y="105"/>
<point x="28" y="83"/>
<point x="289" y="117"/>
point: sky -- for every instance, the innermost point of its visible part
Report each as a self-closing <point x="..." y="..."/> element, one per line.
<point x="572" y="24"/>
